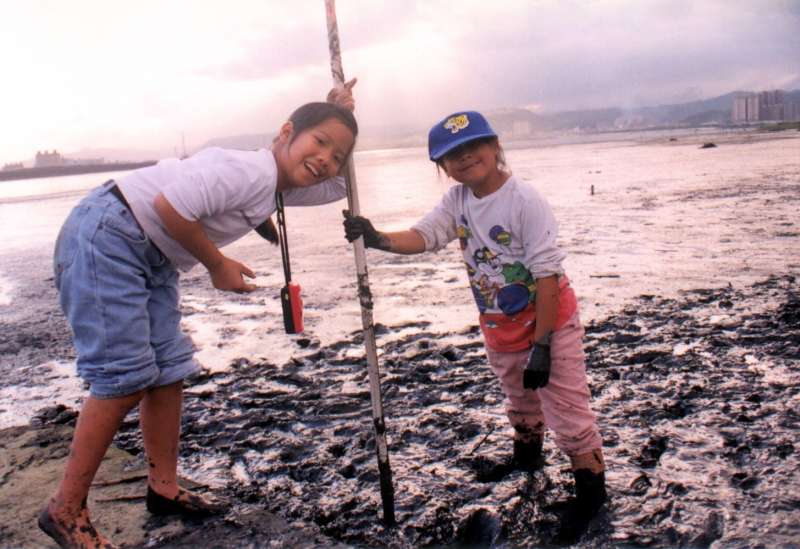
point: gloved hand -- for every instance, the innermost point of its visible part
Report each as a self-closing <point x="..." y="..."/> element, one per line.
<point x="356" y="225"/>
<point x="537" y="372"/>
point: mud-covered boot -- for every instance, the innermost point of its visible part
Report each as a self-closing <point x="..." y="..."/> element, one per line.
<point x="528" y="455"/>
<point x="590" y="495"/>
<point x="185" y="503"/>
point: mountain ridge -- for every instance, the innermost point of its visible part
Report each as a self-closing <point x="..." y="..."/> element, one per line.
<point x="510" y="122"/>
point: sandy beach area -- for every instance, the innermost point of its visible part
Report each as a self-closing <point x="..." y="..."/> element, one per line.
<point x="686" y="262"/>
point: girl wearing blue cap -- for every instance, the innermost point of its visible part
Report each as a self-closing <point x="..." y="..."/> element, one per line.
<point x="528" y="311"/>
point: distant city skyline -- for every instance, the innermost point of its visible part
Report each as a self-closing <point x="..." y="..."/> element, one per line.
<point x="741" y="108"/>
<point x="765" y="105"/>
<point x="91" y="74"/>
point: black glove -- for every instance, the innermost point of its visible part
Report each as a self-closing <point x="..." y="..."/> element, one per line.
<point x="268" y="232"/>
<point x="537" y="372"/>
<point x="356" y="225"/>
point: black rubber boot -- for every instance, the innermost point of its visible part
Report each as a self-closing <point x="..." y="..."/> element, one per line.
<point x="590" y="495"/>
<point x="528" y="455"/>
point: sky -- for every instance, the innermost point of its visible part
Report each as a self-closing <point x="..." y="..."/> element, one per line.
<point x="150" y="75"/>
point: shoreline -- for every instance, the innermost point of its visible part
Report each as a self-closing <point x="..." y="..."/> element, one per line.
<point x="546" y="139"/>
<point x="80" y="169"/>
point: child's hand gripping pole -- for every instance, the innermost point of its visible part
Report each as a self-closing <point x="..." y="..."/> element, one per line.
<point x="356" y="226"/>
<point x="364" y="294"/>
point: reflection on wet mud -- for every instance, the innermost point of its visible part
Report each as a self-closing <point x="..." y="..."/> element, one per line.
<point x="697" y="398"/>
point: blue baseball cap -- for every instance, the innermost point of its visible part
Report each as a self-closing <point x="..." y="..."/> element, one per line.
<point x="455" y="130"/>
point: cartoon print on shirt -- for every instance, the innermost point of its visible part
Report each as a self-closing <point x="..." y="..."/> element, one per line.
<point x="484" y="291"/>
<point x="470" y="270"/>
<point x="501" y="237"/>
<point x="463" y="232"/>
<point x="482" y="301"/>
<point x="516" y="272"/>
<point x="487" y="278"/>
<point x="488" y="262"/>
<point x="508" y="287"/>
<point x="520" y="289"/>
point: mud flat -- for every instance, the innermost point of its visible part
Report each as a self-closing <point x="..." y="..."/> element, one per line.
<point x="698" y="399"/>
<point x="696" y="391"/>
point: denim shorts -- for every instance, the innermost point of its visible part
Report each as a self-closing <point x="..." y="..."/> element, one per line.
<point x="120" y="296"/>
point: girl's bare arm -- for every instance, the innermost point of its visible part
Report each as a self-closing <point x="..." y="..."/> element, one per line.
<point x="226" y="273"/>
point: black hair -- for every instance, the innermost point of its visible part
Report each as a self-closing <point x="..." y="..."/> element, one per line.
<point x="311" y="114"/>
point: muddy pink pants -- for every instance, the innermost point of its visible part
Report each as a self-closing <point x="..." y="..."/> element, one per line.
<point x="563" y="404"/>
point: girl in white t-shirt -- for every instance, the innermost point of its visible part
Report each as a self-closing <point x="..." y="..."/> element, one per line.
<point x="116" y="269"/>
<point x="528" y="311"/>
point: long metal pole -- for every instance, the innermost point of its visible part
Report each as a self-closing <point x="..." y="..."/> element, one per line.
<point x="364" y="294"/>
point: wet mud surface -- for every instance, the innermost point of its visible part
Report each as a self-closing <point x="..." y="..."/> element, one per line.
<point x="697" y="398"/>
<point x="697" y="392"/>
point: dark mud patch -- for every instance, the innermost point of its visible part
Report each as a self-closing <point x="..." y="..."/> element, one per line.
<point x="697" y="399"/>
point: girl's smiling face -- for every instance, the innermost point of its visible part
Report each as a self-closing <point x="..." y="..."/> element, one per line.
<point x="312" y="156"/>
<point x="474" y="164"/>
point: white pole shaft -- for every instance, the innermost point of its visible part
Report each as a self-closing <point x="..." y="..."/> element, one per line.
<point x="364" y="293"/>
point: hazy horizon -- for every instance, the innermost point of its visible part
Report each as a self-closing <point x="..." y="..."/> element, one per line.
<point x="92" y="74"/>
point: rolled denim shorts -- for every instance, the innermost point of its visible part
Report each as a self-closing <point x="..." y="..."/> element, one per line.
<point x="120" y="296"/>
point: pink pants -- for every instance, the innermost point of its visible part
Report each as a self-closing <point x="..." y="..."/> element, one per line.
<point x="563" y="404"/>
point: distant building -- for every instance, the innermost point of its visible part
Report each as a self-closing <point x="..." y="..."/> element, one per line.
<point x="791" y="111"/>
<point x="753" y="107"/>
<point x="54" y="158"/>
<point x="771" y="105"/>
<point x="12" y="166"/>
<point x="739" y="111"/>
<point x="764" y="106"/>
<point x="84" y="161"/>
<point x="44" y="159"/>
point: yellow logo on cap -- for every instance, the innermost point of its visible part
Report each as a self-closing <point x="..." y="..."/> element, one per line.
<point x="456" y="123"/>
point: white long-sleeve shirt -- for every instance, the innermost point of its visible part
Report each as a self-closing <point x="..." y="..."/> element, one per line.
<point x="508" y="240"/>
<point x="229" y="192"/>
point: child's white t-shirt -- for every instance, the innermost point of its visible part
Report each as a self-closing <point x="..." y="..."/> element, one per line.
<point x="508" y="240"/>
<point x="229" y="192"/>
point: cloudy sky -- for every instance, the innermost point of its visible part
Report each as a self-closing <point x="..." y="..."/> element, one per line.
<point x="113" y="73"/>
